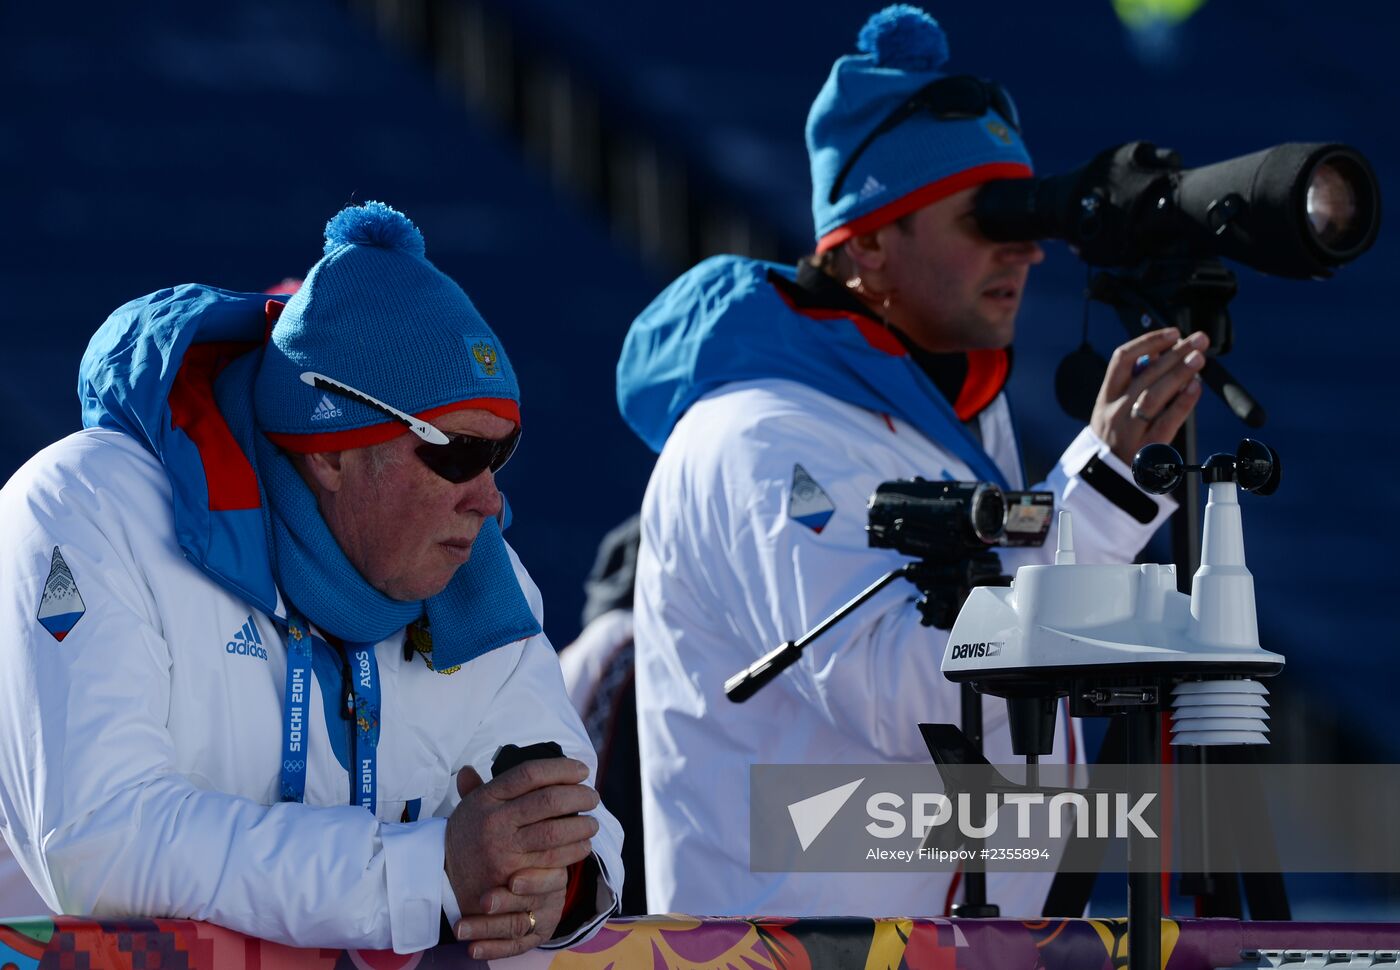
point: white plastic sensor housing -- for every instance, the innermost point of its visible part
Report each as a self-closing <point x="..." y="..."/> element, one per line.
<point x="1072" y="620"/>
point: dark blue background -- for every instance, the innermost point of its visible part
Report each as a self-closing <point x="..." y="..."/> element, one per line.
<point x="152" y="144"/>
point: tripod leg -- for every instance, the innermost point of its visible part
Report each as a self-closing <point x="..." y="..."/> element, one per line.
<point x="1265" y="891"/>
<point x="1195" y="832"/>
<point x="1074" y="883"/>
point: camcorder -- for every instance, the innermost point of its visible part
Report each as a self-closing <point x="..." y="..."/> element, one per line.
<point x="953" y="528"/>
<point x="949" y="528"/>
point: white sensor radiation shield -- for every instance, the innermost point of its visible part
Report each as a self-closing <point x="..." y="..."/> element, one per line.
<point x="1056" y="620"/>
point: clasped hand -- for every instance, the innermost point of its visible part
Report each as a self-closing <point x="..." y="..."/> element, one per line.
<point x="508" y="846"/>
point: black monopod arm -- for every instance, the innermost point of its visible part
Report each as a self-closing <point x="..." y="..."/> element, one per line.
<point x="761" y="672"/>
<point x="1232" y="392"/>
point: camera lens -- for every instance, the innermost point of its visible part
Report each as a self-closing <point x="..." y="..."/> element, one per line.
<point x="1338" y="205"/>
<point x="988" y="513"/>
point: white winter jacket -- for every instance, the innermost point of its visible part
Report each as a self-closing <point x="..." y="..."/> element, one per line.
<point x="732" y="565"/>
<point x="140" y="752"/>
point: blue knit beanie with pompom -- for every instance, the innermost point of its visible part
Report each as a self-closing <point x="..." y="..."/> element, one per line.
<point x="374" y="314"/>
<point x="901" y="49"/>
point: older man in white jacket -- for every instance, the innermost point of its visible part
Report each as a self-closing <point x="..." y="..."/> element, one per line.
<point x="262" y="637"/>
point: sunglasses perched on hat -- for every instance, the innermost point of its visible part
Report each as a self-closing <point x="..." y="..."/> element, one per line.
<point x="455" y="457"/>
<point x="957" y="98"/>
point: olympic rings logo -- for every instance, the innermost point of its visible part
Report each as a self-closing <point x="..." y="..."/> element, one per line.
<point x="294" y="765"/>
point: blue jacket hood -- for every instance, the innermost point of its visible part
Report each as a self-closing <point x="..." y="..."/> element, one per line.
<point x="140" y="376"/>
<point x="725" y="321"/>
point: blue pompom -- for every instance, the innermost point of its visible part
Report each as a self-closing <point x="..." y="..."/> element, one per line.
<point x="374" y="224"/>
<point x="904" y="37"/>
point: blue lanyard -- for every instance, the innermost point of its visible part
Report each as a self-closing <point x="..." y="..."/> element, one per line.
<point x="361" y="701"/>
<point x="364" y="699"/>
<point x="294" y="704"/>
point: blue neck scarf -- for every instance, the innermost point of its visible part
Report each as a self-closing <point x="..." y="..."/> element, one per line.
<point x="480" y="609"/>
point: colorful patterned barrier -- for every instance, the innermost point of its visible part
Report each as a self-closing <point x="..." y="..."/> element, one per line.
<point x="683" y="943"/>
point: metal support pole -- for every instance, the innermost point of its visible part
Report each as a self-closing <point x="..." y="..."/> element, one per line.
<point x="1144" y="859"/>
<point x="974" y="904"/>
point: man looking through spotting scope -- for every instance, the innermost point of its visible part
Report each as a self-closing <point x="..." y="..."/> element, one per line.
<point x="778" y="399"/>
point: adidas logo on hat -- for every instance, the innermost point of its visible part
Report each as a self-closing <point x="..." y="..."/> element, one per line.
<point x="871" y="188"/>
<point x="325" y="409"/>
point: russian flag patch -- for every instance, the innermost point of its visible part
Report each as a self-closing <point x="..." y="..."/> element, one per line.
<point x="62" y="606"/>
<point x="809" y="505"/>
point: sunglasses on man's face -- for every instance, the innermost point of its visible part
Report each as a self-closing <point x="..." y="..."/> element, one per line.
<point x="457" y="457"/>
<point x="957" y="98"/>
<point x="466" y="456"/>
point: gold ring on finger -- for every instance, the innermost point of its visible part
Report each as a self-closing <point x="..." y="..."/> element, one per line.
<point x="530" y="914"/>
